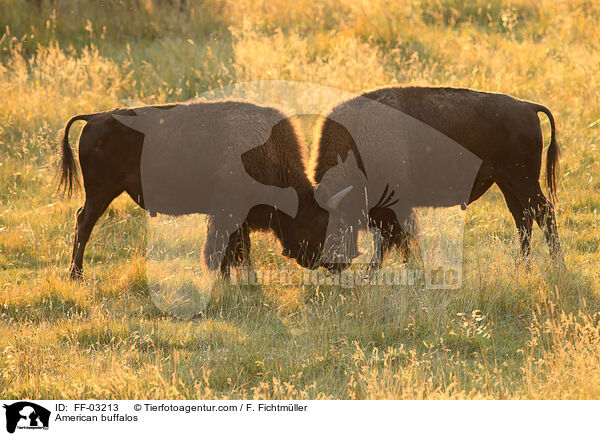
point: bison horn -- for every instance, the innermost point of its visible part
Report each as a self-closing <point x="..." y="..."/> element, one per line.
<point x="335" y="199"/>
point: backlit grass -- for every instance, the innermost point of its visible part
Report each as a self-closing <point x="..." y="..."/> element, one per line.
<point x="508" y="332"/>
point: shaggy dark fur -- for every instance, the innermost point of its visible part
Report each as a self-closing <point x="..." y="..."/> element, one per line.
<point x="110" y="154"/>
<point x="502" y="131"/>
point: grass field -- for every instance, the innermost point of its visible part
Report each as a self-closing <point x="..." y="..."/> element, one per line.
<point x="508" y="332"/>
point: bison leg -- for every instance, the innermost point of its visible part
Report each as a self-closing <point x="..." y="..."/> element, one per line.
<point x="212" y="250"/>
<point x="222" y="251"/>
<point x="533" y="203"/>
<point x="543" y="212"/>
<point x="378" y="249"/>
<point x="403" y="240"/>
<point x="381" y="242"/>
<point x="523" y="220"/>
<point x="388" y="233"/>
<point x="238" y="250"/>
<point x="483" y="182"/>
<point x="87" y="216"/>
<point x="381" y="222"/>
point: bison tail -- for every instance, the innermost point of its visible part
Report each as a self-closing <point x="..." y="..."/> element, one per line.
<point x="553" y="154"/>
<point x="68" y="180"/>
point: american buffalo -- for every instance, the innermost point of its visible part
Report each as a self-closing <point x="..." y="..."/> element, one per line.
<point x="378" y="165"/>
<point x="428" y="147"/>
<point x="193" y="163"/>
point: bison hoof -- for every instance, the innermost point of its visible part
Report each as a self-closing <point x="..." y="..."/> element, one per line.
<point x="76" y="273"/>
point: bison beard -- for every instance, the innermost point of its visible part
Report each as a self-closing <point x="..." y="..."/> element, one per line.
<point x="110" y="154"/>
<point x="500" y="130"/>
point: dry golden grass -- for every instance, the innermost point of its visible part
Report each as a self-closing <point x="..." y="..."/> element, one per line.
<point x="508" y="332"/>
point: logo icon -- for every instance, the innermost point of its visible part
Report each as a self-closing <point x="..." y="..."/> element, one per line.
<point x="26" y="415"/>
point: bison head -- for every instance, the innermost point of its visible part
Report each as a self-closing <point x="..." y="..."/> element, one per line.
<point x="342" y="192"/>
<point x="303" y="237"/>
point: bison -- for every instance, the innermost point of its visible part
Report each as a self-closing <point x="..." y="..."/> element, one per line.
<point x="235" y="161"/>
<point x="376" y="165"/>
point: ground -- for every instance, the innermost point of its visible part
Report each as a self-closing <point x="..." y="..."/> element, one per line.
<point x="508" y="332"/>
